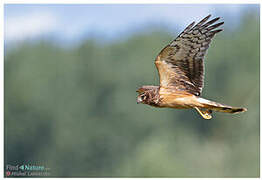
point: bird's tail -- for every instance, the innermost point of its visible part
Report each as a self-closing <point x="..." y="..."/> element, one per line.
<point x="210" y="106"/>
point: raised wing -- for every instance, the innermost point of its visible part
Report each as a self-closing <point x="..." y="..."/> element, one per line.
<point x="181" y="63"/>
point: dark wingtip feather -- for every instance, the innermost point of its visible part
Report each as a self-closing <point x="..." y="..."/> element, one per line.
<point x="217" y="18"/>
<point x="187" y="28"/>
<point x="214" y="26"/>
<point x="208" y="16"/>
<point x="211" y="22"/>
<point x="217" y="31"/>
<point x="202" y="21"/>
<point x="190" y="25"/>
<point x="205" y="19"/>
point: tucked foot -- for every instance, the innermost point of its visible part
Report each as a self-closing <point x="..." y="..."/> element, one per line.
<point x="206" y="114"/>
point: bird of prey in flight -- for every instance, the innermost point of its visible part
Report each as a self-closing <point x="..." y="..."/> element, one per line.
<point x="180" y="67"/>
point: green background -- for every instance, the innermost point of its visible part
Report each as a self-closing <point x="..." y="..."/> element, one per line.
<point x="74" y="109"/>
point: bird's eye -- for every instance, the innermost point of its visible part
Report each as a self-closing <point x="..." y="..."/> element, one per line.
<point x="143" y="97"/>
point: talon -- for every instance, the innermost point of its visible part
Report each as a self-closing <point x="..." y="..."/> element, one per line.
<point x="205" y="114"/>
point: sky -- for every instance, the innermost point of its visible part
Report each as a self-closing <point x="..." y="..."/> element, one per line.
<point x="68" y="23"/>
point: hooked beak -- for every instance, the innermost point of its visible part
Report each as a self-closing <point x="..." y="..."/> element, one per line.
<point x="138" y="100"/>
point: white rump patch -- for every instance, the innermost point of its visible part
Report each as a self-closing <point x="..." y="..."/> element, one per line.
<point x="203" y="101"/>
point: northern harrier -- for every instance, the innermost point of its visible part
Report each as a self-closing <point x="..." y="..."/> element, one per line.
<point x="180" y="67"/>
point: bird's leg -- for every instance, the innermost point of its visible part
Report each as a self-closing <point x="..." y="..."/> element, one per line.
<point x="205" y="114"/>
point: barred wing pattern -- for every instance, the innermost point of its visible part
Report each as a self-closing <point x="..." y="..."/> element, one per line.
<point x="181" y="63"/>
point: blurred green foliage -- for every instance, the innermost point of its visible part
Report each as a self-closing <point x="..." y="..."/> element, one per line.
<point x="74" y="110"/>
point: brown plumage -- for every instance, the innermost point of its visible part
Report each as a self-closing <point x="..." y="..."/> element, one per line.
<point x="180" y="67"/>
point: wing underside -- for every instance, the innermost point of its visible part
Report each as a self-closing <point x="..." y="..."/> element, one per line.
<point x="181" y="63"/>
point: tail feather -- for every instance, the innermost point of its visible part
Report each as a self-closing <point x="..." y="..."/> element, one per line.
<point x="220" y="107"/>
<point x="229" y="109"/>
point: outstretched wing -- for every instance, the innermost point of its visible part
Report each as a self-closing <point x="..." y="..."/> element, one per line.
<point x="180" y="64"/>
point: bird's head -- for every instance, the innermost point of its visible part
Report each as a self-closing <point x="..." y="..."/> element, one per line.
<point x="142" y="98"/>
<point x="146" y="94"/>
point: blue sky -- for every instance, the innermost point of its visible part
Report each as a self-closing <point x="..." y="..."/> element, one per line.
<point x="72" y="23"/>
